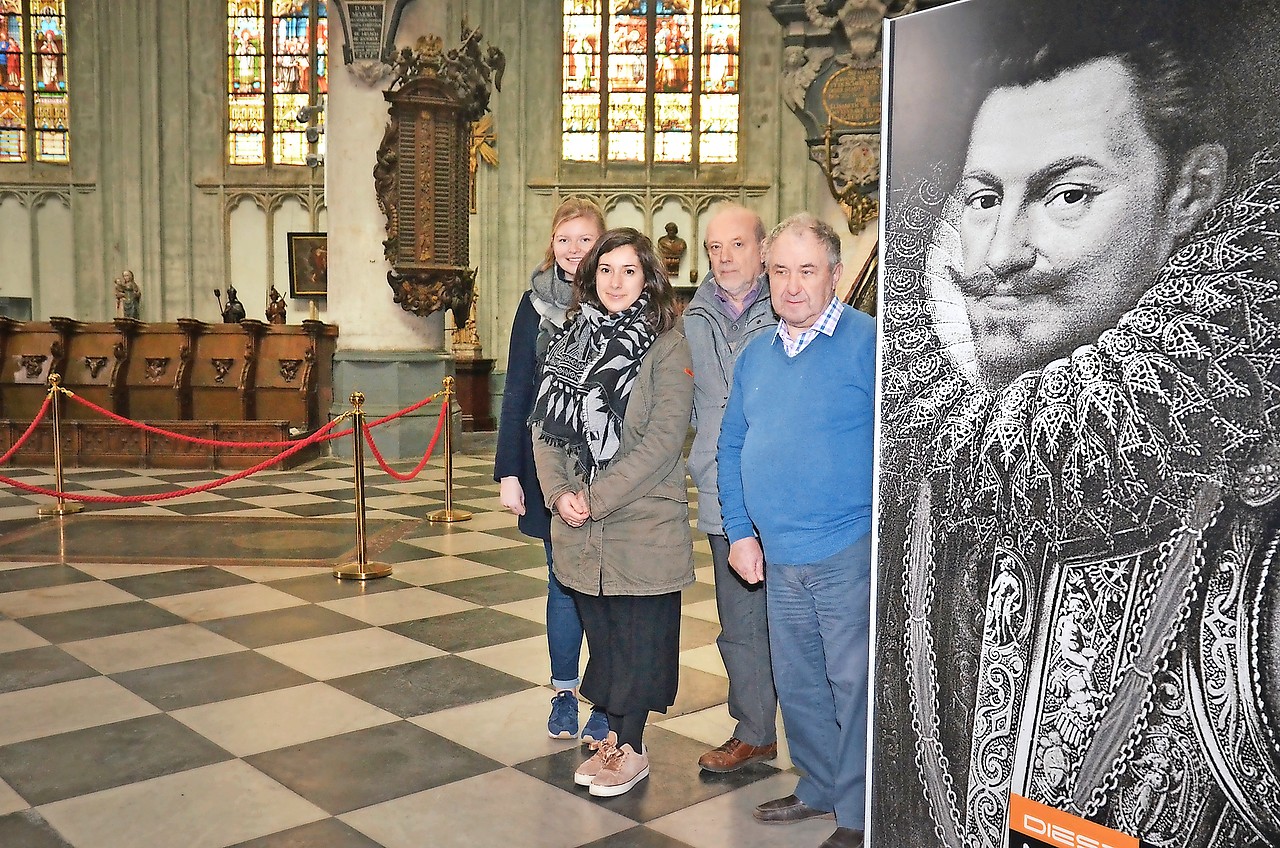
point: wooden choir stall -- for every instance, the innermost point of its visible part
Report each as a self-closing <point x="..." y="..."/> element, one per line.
<point x="245" y="382"/>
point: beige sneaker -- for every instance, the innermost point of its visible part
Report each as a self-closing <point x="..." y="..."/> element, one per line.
<point x="622" y="769"/>
<point x="588" y="770"/>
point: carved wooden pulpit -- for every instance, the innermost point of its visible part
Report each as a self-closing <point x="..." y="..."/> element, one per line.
<point x="422" y="176"/>
<point x="422" y="180"/>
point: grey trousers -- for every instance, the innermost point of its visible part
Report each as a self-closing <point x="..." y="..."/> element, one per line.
<point x="744" y="647"/>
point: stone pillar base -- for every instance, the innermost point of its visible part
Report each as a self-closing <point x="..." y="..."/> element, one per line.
<point x="390" y="381"/>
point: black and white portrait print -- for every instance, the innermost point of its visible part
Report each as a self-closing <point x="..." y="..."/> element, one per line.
<point x="1077" y="586"/>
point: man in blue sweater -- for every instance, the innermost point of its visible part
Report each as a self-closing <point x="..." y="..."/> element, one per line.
<point x="795" y="465"/>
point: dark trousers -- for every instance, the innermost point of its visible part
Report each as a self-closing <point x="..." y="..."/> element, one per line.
<point x="744" y="647"/>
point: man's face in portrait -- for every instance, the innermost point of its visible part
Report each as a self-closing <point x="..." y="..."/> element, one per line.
<point x="1066" y="218"/>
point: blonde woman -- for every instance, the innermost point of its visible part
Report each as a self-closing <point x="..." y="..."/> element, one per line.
<point x="576" y="225"/>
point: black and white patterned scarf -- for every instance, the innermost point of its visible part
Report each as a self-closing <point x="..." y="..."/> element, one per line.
<point x="586" y="381"/>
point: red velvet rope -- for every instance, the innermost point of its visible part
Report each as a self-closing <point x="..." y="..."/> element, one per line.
<point x="317" y="436"/>
<point x="393" y="416"/>
<point x="321" y="435"/>
<point x="44" y="408"/>
<point x="368" y="437"/>
<point x="196" y="440"/>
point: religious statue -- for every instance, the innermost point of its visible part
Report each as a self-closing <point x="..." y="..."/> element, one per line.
<point x="671" y="249"/>
<point x="800" y="68"/>
<point x="466" y="339"/>
<point x="276" y="307"/>
<point x="233" y="312"/>
<point x="128" y="296"/>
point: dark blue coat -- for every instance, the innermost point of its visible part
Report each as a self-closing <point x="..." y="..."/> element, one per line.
<point x="514" y="456"/>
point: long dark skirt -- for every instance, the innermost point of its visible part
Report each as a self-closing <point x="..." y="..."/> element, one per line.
<point x="634" y="642"/>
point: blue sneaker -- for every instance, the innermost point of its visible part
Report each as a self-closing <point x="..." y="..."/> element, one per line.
<point x="563" y="723"/>
<point x="597" y="727"/>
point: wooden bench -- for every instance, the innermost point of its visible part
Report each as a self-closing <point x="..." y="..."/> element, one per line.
<point x="245" y="382"/>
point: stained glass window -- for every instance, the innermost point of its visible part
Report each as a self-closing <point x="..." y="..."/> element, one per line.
<point x="34" y="101"/>
<point x="277" y="65"/>
<point x="650" y="81"/>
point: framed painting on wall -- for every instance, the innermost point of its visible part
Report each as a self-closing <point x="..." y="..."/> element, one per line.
<point x="308" y="265"/>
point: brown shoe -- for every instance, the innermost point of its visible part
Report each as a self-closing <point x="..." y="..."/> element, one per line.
<point x="735" y="754"/>
<point x="844" y="837"/>
<point x="787" y="810"/>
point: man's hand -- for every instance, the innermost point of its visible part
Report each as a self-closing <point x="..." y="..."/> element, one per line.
<point x="747" y="559"/>
<point x="511" y="493"/>
<point x="572" y="507"/>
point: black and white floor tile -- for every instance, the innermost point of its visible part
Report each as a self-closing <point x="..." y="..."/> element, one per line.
<point x="201" y="679"/>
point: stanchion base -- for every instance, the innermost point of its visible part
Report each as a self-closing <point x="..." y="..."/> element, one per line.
<point x="367" y="571"/>
<point x="64" y="508"/>
<point x="444" y="516"/>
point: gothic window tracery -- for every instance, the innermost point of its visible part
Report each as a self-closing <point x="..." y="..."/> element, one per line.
<point x="650" y="81"/>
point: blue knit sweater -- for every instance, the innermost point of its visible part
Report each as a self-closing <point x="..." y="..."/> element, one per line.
<point x="795" y="450"/>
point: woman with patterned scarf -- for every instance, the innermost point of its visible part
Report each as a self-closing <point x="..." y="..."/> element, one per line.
<point x="576" y="225"/>
<point x="609" y="426"/>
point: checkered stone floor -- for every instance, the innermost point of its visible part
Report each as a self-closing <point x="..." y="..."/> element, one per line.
<point x="219" y="702"/>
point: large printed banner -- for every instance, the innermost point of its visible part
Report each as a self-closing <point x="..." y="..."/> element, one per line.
<point x="1078" y="587"/>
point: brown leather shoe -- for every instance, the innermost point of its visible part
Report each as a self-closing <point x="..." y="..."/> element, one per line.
<point x="735" y="754"/>
<point x="787" y="810"/>
<point x="844" y="837"/>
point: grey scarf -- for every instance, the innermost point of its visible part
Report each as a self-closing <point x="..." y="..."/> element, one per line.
<point x="551" y="294"/>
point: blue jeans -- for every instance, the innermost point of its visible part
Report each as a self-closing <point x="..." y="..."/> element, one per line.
<point x="819" y="615"/>
<point x="564" y="632"/>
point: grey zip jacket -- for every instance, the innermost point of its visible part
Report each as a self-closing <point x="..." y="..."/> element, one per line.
<point x="715" y="340"/>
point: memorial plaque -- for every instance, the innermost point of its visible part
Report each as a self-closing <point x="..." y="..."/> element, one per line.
<point x="852" y="97"/>
<point x="366" y="29"/>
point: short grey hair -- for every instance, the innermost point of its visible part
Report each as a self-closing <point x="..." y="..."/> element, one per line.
<point x="807" y="222"/>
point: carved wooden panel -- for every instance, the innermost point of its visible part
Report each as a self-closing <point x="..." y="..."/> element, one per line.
<point x="422" y="179"/>
<point x="106" y="443"/>
<point x="91" y="349"/>
<point x="33" y="351"/>
<point x="249" y="375"/>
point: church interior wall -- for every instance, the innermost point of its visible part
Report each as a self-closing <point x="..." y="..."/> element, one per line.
<point x="148" y="188"/>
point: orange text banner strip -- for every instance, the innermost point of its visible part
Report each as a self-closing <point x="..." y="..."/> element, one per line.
<point x="1057" y="828"/>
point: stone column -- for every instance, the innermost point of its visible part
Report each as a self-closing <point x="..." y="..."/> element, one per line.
<point x="393" y="357"/>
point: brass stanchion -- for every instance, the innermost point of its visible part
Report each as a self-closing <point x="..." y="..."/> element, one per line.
<point x="448" y="514"/>
<point x="62" y="506"/>
<point x="361" y="569"/>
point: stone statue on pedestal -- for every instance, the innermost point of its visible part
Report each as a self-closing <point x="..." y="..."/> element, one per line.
<point x="671" y="248"/>
<point x="466" y="339"/>
<point x="276" y="307"/>
<point x="128" y="296"/>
